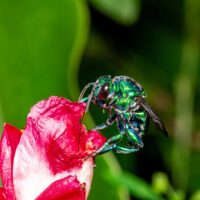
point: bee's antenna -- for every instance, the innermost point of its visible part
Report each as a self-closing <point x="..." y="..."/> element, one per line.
<point x="79" y="100"/>
<point x="90" y="98"/>
<point x="84" y="90"/>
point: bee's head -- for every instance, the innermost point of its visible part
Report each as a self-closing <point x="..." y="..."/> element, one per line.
<point x="103" y="87"/>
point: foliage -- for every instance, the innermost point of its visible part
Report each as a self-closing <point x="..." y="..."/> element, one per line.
<point x="48" y="48"/>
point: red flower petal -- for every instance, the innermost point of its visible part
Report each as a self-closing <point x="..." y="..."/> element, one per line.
<point x="66" y="188"/>
<point x="9" y="142"/>
<point x="2" y="194"/>
<point x="52" y="147"/>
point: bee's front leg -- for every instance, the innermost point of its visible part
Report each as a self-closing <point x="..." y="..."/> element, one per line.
<point x="108" y="122"/>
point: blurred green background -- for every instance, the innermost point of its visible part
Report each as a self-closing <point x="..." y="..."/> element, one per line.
<point x="56" y="47"/>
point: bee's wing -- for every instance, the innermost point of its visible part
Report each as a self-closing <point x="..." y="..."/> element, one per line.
<point x="152" y="115"/>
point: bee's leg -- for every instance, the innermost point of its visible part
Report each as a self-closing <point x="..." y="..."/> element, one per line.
<point x="109" y="145"/>
<point x="108" y="122"/>
<point x="85" y="99"/>
<point x="134" y="136"/>
<point x="118" y="148"/>
<point x="126" y="150"/>
<point x="139" y="122"/>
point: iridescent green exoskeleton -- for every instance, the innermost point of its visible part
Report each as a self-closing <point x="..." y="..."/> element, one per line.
<point x="124" y="99"/>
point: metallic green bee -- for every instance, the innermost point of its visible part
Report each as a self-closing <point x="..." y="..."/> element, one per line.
<point x="124" y="99"/>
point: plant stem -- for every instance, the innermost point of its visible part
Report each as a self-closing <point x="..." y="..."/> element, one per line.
<point x="185" y="90"/>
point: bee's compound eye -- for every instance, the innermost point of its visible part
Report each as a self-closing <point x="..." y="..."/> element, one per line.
<point x="104" y="92"/>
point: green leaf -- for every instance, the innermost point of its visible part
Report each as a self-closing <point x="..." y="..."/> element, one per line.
<point x="39" y="41"/>
<point x="1" y="119"/>
<point x="137" y="187"/>
<point x="196" y="195"/>
<point x="176" y="195"/>
<point x="160" y="182"/>
<point x="125" y="12"/>
<point x="106" y="165"/>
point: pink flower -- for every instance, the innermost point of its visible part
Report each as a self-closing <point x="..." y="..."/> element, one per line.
<point x="46" y="159"/>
